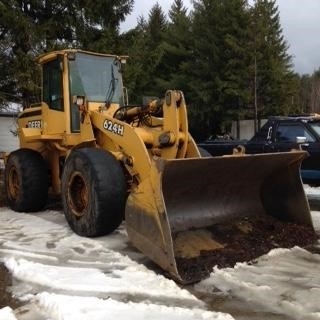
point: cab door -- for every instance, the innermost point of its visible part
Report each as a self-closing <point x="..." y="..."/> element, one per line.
<point x="52" y="96"/>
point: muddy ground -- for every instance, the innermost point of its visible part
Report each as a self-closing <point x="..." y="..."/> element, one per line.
<point x="6" y="298"/>
<point x="244" y="240"/>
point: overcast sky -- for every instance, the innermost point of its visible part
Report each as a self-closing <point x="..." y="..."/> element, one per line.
<point x="300" y="21"/>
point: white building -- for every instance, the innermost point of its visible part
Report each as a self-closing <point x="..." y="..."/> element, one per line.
<point x="244" y="129"/>
<point x="8" y="126"/>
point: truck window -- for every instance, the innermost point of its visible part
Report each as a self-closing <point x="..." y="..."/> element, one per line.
<point x="290" y="132"/>
<point x="316" y="127"/>
<point x="263" y="134"/>
<point x="52" y="85"/>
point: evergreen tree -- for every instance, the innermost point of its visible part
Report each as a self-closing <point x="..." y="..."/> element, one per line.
<point x="134" y="43"/>
<point x="219" y="69"/>
<point x="145" y="49"/>
<point x="7" y="83"/>
<point x="98" y="23"/>
<point x="304" y="94"/>
<point x="177" y="46"/>
<point x="156" y="29"/>
<point x="17" y="35"/>
<point x="235" y="61"/>
<point x="275" y="82"/>
<point x="203" y="69"/>
<point x="157" y="24"/>
<point x="307" y="97"/>
<point x="32" y="27"/>
<point x="315" y="92"/>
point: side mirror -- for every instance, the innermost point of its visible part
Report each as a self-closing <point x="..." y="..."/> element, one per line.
<point x="301" y="140"/>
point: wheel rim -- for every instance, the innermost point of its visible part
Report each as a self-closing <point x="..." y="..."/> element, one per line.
<point x="13" y="183"/>
<point x="77" y="194"/>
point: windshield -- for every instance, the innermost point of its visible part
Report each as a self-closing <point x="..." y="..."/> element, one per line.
<point x="96" y="77"/>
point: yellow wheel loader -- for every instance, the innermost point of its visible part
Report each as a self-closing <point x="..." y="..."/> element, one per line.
<point x="112" y="161"/>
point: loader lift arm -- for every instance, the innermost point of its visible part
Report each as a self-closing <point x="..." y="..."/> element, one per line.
<point x="166" y="137"/>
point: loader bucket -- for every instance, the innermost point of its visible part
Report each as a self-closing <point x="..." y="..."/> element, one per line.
<point x="192" y="214"/>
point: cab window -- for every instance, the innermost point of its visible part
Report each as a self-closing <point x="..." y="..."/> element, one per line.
<point x="52" y="85"/>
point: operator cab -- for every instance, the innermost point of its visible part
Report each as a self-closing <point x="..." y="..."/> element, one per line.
<point x="69" y="75"/>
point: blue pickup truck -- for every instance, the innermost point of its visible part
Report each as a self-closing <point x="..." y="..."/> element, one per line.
<point x="280" y="134"/>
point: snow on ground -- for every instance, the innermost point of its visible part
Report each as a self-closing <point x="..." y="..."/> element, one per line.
<point x="99" y="278"/>
<point x="7" y="314"/>
<point x="284" y="281"/>
<point x="81" y="308"/>
<point x="62" y="276"/>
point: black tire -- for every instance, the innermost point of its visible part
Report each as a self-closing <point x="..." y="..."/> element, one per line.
<point x="26" y="181"/>
<point x="93" y="192"/>
<point x="204" y="153"/>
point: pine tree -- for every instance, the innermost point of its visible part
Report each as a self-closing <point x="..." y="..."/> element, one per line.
<point x="203" y="70"/>
<point x="156" y="29"/>
<point x="219" y="70"/>
<point x="275" y="82"/>
<point x="145" y="49"/>
<point x="135" y="44"/>
<point x="235" y="57"/>
<point x="304" y="95"/>
<point x="177" y="49"/>
<point x="32" y="27"/>
<point x="315" y="92"/>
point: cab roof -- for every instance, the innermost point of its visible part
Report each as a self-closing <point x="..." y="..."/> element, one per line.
<point x="53" y="54"/>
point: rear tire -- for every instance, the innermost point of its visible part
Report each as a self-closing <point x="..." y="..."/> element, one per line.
<point x="26" y="181"/>
<point x="93" y="192"/>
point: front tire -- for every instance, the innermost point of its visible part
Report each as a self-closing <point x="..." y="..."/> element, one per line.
<point x="93" y="192"/>
<point x="26" y="181"/>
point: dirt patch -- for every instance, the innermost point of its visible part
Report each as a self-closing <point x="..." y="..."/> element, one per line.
<point x="244" y="240"/>
<point x="6" y="298"/>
